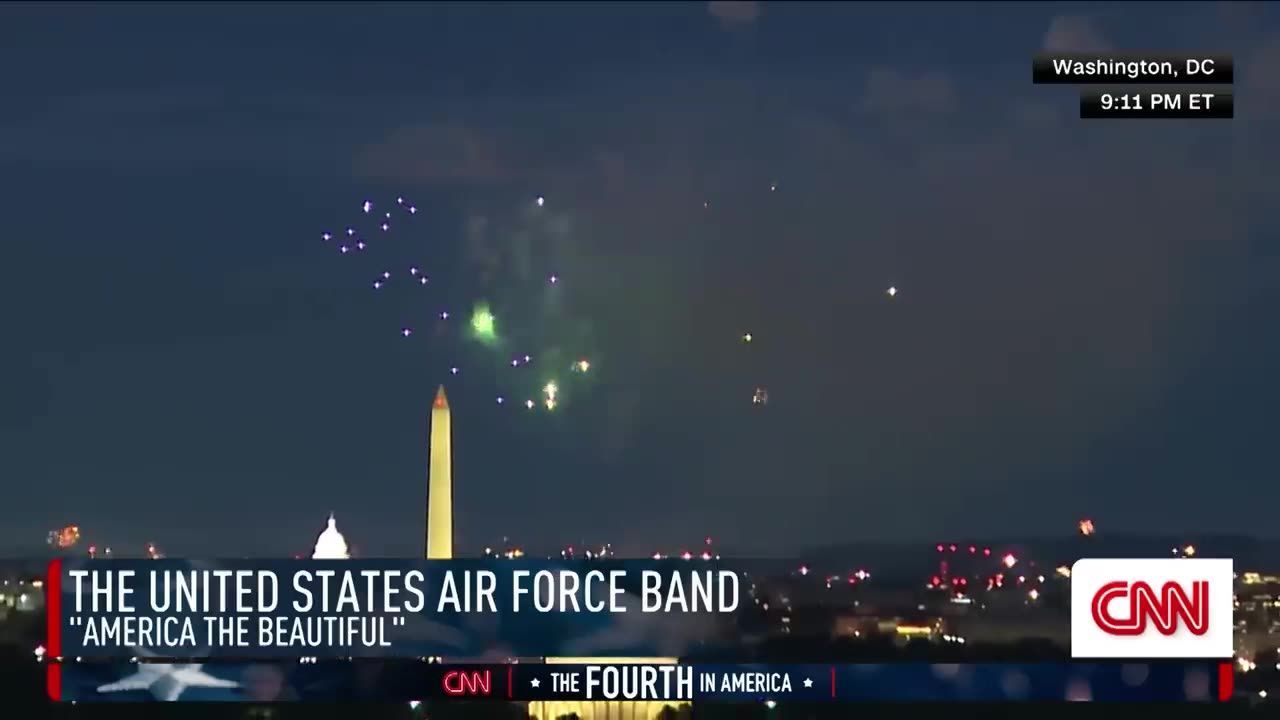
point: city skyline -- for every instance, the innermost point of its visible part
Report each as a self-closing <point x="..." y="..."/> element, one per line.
<point x="841" y="273"/>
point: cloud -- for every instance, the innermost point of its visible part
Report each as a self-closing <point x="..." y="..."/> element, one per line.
<point x="435" y="153"/>
<point x="1074" y="33"/>
<point x="108" y="105"/>
<point x="735" y="13"/>
<point x="1241" y="14"/>
<point x="611" y="166"/>
<point x="895" y="91"/>
<point x="1259" y="75"/>
<point x="1255" y="150"/>
<point x="166" y="129"/>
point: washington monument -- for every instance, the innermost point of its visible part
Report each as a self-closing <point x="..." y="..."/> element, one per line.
<point x="440" y="547"/>
<point x="440" y="482"/>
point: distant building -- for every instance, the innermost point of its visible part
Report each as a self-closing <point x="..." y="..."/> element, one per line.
<point x="903" y="627"/>
<point x="331" y="545"/>
<point x="1002" y="628"/>
<point x="1257" y="613"/>
<point x="889" y="601"/>
<point x="21" y="596"/>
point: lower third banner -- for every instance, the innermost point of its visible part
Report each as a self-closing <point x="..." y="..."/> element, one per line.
<point x="405" y="681"/>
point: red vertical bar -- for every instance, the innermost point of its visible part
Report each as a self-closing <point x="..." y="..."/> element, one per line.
<point x="53" y="629"/>
<point x="53" y="681"/>
<point x="509" y="685"/>
<point x="1226" y="681"/>
<point x="833" y="682"/>
<point x="53" y="609"/>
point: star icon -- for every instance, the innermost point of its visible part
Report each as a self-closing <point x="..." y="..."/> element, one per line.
<point x="167" y="682"/>
<point x="535" y="682"/>
<point x="808" y="683"/>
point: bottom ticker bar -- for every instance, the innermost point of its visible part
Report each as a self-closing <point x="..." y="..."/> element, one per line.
<point x="407" y="680"/>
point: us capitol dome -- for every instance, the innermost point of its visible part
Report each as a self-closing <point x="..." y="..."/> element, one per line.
<point x="331" y="545"/>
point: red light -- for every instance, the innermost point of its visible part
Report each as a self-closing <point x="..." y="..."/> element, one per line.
<point x="853" y="580"/>
<point x="964" y="581"/>
<point x="986" y="551"/>
<point x="940" y="548"/>
<point x="972" y="550"/>
<point x="937" y="580"/>
<point x="953" y="548"/>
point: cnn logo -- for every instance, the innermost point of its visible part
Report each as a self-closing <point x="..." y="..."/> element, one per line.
<point x="1159" y="608"/>
<point x="457" y="683"/>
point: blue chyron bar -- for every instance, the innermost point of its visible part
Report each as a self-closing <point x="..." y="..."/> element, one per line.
<point x="417" y="681"/>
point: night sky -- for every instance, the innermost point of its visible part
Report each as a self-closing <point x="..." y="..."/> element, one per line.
<point x="1085" y="325"/>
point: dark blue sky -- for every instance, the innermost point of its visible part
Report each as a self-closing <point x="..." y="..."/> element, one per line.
<point x="1086" y="322"/>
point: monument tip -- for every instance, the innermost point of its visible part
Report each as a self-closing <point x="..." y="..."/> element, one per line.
<point x="441" y="401"/>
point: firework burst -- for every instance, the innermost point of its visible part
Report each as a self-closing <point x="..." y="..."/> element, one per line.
<point x="483" y="305"/>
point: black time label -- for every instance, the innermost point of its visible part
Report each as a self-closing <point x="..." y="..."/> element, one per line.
<point x="1159" y="103"/>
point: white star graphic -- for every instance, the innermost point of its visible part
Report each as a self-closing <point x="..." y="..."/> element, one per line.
<point x="535" y="682"/>
<point x="808" y="683"/>
<point x="167" y="682"/>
